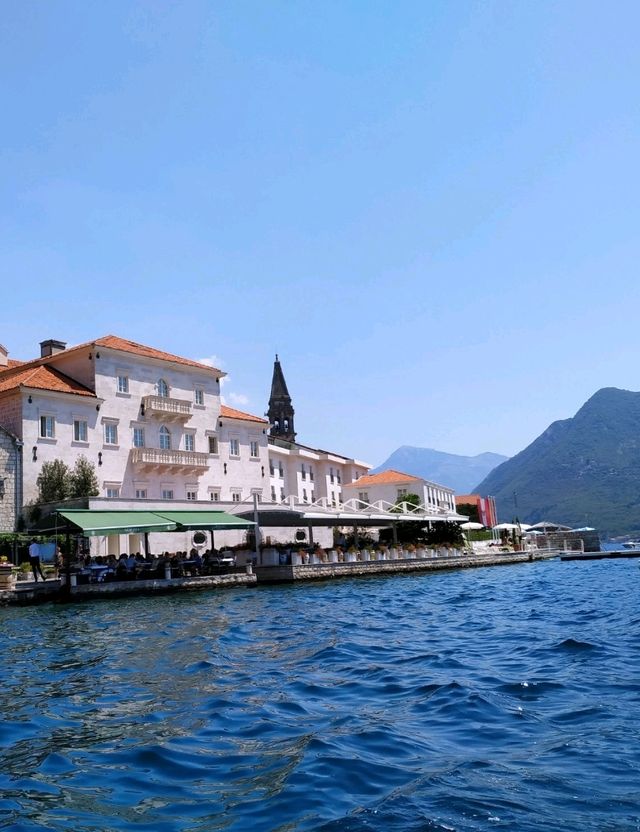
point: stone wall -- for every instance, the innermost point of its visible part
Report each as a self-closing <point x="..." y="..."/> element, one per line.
<point x="324" y="571"/>
<point x="8" y="471"/>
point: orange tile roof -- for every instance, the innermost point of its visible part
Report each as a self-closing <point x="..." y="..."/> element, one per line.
<point x="232" y="413"/>
<point x="42" y="378"/>
<point x="389" y="477"/>
<point x="123" y="345"/>
<point x="115" y="343"/>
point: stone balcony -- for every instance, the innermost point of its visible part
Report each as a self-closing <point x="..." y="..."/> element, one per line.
<point x="158" y="459"/>
<point x="166" y="407"/>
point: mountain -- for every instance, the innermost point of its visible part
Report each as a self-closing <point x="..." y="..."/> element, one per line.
<point x="458" y="472"/>
<point x="580" y="471"/>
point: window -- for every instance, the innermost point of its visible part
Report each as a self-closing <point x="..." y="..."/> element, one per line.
<point x="48" y="427"/>
<point x="311" y="473"/>
<point x="198" y="396"/>
<point x="313" y="496"/>
<point x="331" y="474"/>
<point x="304" y="495"/>
<point x="234" y="447"/>
<point x="236" y="496"/>
<point x="141" y="493"/>
<point x="165" y="439"/>
<point x="363" y="496"/>
<point x="167" y="493"/>
<point x="79" y="430"/>
<point x="113" y="492"/>
<point x="281" y="472"/>
<point x="273" y="493"/>
<point x="213" y="444"/>
<point x="338" y="476"/>
<point x="192" y="495"/>
<point x="110" y="433"/>
<point x="333" y="500"/>
<point x="402" y="492"/>
<point x="255" y="452"/>
<point x="189" y="442"/>
<point x="163" y="389"/>
<point x="123" y="384"/>
<point x="304" y="471"/>
<point x="272" y="470"/>
<point x="282" y="494"/>
<point x="214" y="496"/>
<point x="138" y="437"/>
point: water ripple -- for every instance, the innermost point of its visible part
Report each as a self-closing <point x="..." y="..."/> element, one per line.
<point x="467" y="700"/>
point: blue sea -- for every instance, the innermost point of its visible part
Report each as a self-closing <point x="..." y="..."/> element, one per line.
<point x="501" y="698"/>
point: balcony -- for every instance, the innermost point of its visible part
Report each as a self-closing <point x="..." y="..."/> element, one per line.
<point x="155" y="458"/>
<point x="166" y="407"/>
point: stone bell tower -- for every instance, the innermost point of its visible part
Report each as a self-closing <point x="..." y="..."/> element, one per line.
<point x="280" y="413"/>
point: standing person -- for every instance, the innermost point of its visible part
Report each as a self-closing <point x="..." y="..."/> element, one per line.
<point x="34" y="560"/>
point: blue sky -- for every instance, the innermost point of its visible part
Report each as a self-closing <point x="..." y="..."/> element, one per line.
<point x="428" y="209"/>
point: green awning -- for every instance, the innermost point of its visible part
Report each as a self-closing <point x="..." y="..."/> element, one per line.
<point x="205" y="520"/>
<point x="92" y="523"/>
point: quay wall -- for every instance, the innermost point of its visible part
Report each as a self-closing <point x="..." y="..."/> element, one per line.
<point x="324" y="571"/>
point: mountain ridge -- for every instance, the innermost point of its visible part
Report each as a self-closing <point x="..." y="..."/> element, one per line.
<point x="584" y="470"/>
<point x="453" y="470"/>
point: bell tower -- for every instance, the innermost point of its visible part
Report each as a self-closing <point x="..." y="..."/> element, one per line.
<point x="280" y="413"/>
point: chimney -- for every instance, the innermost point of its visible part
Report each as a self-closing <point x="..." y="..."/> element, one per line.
<point x="4" y="356"/>
<point x="51" y="347"/>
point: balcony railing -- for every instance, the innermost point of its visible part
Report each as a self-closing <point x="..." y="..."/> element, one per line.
<point x="170" y="459"/>
<point x="167" y="407"/>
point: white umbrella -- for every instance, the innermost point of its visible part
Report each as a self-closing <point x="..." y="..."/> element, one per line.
<point x="525" y="526"/>
<point x="471" y="526"/>
<point x="506" y="527"/>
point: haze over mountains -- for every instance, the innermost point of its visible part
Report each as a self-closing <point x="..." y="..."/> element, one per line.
<point x="580" y="471"/>
<point x="458" y="472"/>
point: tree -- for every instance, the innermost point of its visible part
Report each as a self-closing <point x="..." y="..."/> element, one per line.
<point x="470" y="510"/>
<point x="83" y="481"/>
<point x="53" y="481"/>
<point x="412" y="501"/>
<point x="444" y="533"/>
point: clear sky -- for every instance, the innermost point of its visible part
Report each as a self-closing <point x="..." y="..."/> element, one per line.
<point x="428" y="209"/>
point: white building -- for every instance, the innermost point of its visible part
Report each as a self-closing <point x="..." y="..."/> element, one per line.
<point x="152" y="423"/>
<point x="387" y="488"/>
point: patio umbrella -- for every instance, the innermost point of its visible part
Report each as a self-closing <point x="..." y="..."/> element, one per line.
<point x="471" y="526"/>
<point x="506" y="527"/>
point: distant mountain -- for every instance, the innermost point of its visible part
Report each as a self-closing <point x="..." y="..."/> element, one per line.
<point x="580" y="471"/>
<point x="458" y="472"/>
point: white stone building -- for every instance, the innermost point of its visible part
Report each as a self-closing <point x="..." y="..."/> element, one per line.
<point x="386" y="488"/>
<point x="152" y="423"/>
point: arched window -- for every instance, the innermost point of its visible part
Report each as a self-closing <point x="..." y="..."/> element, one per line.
<point x="286" y="424"/>
<point x="163" y="389"/>
<point x="276" y="424"/>
<point x="165" y="439"/>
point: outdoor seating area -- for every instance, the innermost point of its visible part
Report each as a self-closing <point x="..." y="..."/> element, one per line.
<point x="138" y="567"/>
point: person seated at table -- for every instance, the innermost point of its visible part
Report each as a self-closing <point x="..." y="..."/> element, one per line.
<point x="122" y="570"/>
<point x="176" y="566"/>
<point x="196" y="562"/>
<point x="131" y="563"/>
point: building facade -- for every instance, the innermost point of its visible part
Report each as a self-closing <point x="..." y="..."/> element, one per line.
<point x="10" y="481"/>
<point x="485" y="506"/>
<point x="387" y="488"/>
<point x="151" y="423"/>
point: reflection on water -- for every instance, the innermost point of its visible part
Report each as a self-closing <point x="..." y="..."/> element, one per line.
<point x="479" y="699"/>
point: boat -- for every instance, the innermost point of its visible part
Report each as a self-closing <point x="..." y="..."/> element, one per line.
<point x="631" y="544"/>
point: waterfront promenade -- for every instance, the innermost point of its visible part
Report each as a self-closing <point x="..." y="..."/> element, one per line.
<point x="29" y="592"/>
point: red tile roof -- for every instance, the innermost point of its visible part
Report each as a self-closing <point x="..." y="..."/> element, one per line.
<point x="389" y="477"/>
<point x="41" y="378"/>
<point x="232" y="413"/>
<point x="123" y="345"/>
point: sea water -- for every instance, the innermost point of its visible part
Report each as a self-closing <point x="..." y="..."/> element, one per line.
<point x="502" y="698"/>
